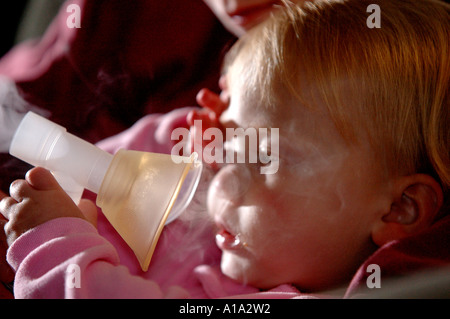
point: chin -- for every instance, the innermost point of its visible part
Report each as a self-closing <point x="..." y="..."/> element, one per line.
<point x="235" y="267"/>
<point x="241" y="270"/>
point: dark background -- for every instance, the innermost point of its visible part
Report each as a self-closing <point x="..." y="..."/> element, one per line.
<point x="11" y="14"/>
<point x="25" y="19"/>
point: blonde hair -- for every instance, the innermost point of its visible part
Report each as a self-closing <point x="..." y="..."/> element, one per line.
<point x="391" y="82"/>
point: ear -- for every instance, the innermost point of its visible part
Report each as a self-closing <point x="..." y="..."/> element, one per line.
<point x="415" y="202"/>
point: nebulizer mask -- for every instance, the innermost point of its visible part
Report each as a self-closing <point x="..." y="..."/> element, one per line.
<point x="138" y="192"/>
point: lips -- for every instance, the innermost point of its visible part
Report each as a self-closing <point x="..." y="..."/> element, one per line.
<point x="226" y="240"/>
<point x="226" y="221"/>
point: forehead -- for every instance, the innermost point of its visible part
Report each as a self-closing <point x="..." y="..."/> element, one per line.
<point x="260" y="98"/>
<point x="248" y="109"/>
<point x="300" y="127"/>
<point x="248" y="106"/>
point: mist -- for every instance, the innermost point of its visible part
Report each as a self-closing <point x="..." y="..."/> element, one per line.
<point x="12" y="110"/>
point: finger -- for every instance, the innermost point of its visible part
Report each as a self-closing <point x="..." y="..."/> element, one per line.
<point x="20" y="189"/>
<point x="208" y="119"/>
<point x="210" y="100"/>
<point x="194" y="115"/>
<point x="89" y="211"/>
<point x="191" y="117"/>
<point x="2" y="197"/>
<point x="6" y="205"/>
<point x="41" y="179"/>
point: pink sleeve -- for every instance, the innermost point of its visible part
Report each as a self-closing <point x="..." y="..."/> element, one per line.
<point x="67" y="258"/>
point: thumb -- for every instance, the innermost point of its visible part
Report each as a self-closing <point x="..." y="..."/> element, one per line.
<point x="89" y="211"/>
<point x="41" y="179"/>
<point x="211" y="101"/>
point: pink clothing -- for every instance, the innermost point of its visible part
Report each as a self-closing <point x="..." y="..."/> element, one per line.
<point x="186" y="261"/>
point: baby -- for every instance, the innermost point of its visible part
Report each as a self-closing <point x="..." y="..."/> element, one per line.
<point x="364" y="140"/>
<point x="363" y="159"/>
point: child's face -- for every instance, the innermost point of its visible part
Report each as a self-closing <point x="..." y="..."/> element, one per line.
<point x="310" y="223"/>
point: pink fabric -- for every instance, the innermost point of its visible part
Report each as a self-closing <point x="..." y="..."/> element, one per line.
<point x="186" y="260"/>
<point x="422" y="252"/>
<point x="127" y="60"/>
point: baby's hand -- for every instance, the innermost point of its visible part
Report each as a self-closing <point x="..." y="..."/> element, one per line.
<point x="213" y="106"/>
<point x="36" y="200"/>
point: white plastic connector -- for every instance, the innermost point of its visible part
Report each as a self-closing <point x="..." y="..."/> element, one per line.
<point x="75" y="163"/>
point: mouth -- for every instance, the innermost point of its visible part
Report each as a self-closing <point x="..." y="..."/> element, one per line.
<point x="227" y="240"/>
